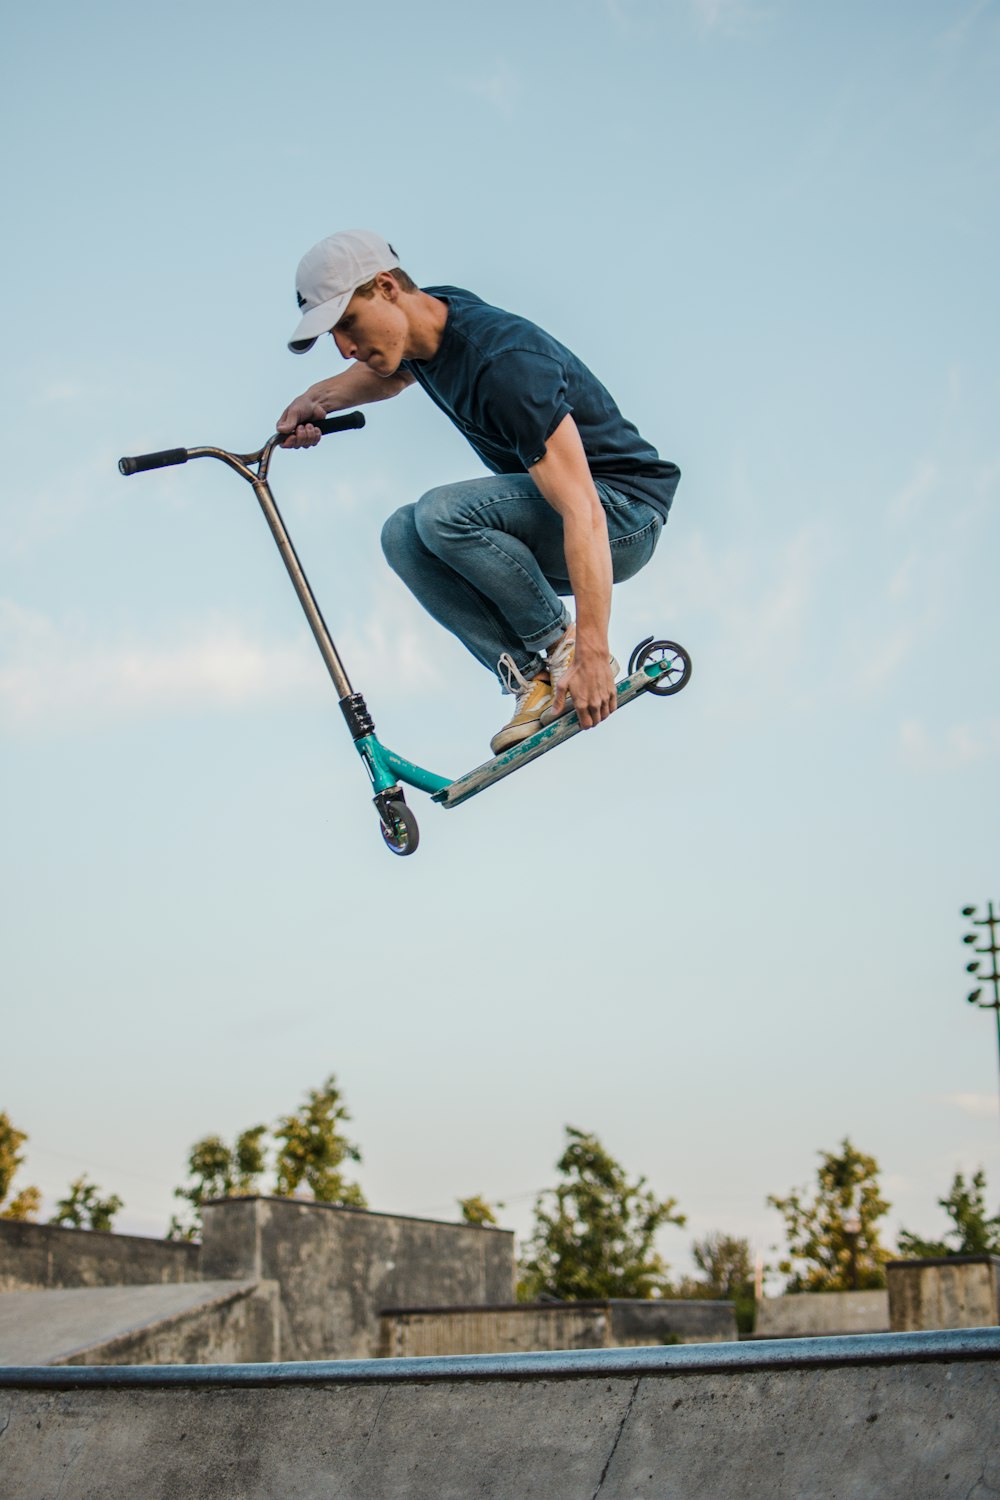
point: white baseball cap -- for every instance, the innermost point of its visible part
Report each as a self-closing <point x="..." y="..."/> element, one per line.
<point x="328" y="276"/>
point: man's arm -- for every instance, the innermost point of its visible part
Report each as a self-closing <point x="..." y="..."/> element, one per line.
<point x="357" y="386"/>
<point x="564" y="478"/>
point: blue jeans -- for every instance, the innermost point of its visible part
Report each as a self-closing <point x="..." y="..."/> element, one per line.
<point x="485" y="558"/>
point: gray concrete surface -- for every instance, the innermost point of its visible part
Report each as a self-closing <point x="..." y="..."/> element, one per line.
<point x="955" y="1291"/>
<point x="522" y="1326"/>
<point x="660" y="1321"/>
<point x="34" y="1256"/>
<point x="338" y="1267"/>
<point x="408" y="1333"/>
<point x="885" y="1417"/>
<point x="822" y="1314"/>
<point x="198" y="1322"/>
<point x="334" y="1269"/>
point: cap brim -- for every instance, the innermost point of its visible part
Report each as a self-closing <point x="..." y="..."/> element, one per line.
<point x="316" y="322"/>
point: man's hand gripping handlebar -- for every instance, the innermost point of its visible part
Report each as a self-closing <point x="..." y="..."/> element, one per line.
<point x="142" y="461"/>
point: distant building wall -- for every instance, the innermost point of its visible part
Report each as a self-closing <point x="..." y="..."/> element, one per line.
<point x="334" y="1269"/>
<point x="337" y="1267"/>
<point x="955" y="1291"/>
<point x="35" y="1257"/>
<point x="822" y="1314"/>
<point x="508" y="1329"/>
<point x="635" y="1322"/>
<point x="520" y="1328"/>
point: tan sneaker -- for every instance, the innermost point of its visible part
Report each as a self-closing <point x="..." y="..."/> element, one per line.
<point x="558" y="663"/>
<point x="531" y="697"/>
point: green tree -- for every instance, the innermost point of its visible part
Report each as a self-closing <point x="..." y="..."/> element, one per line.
<point x="248" y="1160"/>
<point x="312" y="1149"/>
<point x="476" y="1210"/>
<point x="726" y="1264"/>
<point x="594" y="1233"/>
<point x="28" y="1201"/>
<point x="973" y="1232"/>
<point x="827" y="1253"/>
<point x="82" y="1208"/>
<point x="219" y="1171"/>
<point x="308" y="1149"/>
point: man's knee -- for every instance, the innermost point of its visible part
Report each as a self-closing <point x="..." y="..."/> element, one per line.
<point x="441" y="515"/>
<point x="399" y="538"/>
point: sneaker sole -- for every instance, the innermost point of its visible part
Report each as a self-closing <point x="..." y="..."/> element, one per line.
<point x="513" y="736"/>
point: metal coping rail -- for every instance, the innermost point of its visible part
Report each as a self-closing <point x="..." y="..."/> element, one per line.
<point x="941" y="1347"/>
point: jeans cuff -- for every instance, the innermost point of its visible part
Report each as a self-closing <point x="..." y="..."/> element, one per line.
<point x="529" y="668"/>
<point x="546" y="638"/>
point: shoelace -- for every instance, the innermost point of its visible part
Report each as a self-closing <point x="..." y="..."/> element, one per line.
<point x="510" y="673"/>
<point x="560" y="662"/>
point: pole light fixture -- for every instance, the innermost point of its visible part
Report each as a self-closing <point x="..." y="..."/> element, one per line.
<point x="986" y="937"/>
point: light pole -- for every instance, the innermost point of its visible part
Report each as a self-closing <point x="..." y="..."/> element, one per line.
<point x="990" y="922"/>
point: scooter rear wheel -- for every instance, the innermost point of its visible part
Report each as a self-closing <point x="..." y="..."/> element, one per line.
<point x="404" y="835"/>
<point x="669" y="654"/>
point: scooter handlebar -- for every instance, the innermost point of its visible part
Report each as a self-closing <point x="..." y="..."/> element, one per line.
<point x="143" y="461"/>
<point x="341" y="424"/>
<point x="153" y="460"/>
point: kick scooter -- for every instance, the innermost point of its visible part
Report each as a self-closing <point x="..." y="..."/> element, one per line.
<point x="658" y="667"/>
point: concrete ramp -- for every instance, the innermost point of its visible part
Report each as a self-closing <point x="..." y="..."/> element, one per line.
<point x="125" y="1324"/>
<point x="880" y="1417"/>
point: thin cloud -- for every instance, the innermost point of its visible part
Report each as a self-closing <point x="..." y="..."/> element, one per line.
<point x="956" y="34"/>
<point x="908" y="500"/>
<point x="498" y="88"/>
<point x="953" y="749"/>
<point x="711" y="15"/>
<point x="979" y="1106"/>
<point x="883" y="658"/>
<point x="934" y="525"/>
<point x="724" y="15"/>
<point x="66" y="391"/>
<point x="53" y="677"/>
<point x="760" y="608"/>
<point x="62" y="501"/>
<point x="396" y="646"/>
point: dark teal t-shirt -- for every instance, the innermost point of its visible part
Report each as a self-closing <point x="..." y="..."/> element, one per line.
<point x="507" y="384"/>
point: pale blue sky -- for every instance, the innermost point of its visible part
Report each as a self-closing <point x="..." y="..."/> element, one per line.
<point x="723" y="931"/>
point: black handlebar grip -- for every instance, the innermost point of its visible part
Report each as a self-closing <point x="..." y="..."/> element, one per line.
<point x="341" y="424"/>
<point x="153" y="460"/>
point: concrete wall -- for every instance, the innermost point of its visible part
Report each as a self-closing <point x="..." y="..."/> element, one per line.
<point x="333" y="1268"/>
<point x="957" y="1291"/>
<point x="195" y="1322"/>
<point x="508" y="1329"/>
<point x="822" y="1314"/>
<point x="897" y="1417"/>
<point x="36" y="1256"/>
<point x="521" y="1327"/>
<point x="337" y="1267"/>
<point x="669" y="1320"/>
<point x="237" y="1327"/>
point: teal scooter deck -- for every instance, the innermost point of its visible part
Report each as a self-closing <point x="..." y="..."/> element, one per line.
<point x="540" y="743"/>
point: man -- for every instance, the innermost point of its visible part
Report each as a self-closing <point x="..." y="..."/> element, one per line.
<point x="576" y="500"/>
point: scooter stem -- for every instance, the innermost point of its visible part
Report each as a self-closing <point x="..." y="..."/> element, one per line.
<point x="300" y="583"/>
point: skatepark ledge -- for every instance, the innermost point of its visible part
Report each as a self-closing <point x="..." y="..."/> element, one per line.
<point x="897" y="1415"/>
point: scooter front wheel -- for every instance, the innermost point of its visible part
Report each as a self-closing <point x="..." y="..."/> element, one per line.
<point x="401" y="835"/>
